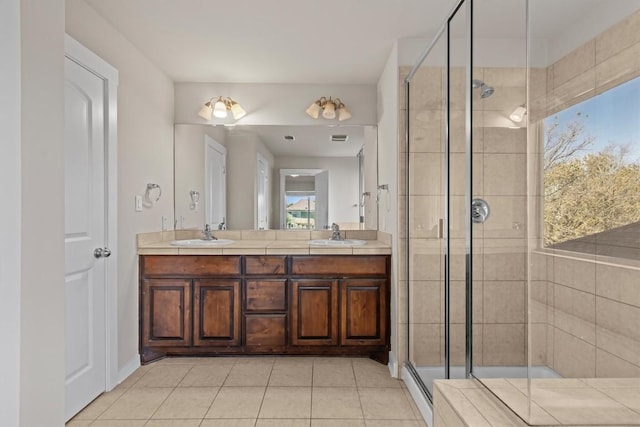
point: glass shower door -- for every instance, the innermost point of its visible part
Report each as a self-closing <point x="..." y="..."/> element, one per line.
<point x="438" y="130"/>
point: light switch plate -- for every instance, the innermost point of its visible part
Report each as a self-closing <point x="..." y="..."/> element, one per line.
<point x="138" y="203"/>
<point x="165" y="223"/>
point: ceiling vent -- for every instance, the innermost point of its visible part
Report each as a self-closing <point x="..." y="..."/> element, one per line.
<point x="339" y="138"/>
<point x="289" y="138"/>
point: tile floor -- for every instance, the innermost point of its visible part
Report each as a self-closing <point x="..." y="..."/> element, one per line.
<point x="255" y="392"/>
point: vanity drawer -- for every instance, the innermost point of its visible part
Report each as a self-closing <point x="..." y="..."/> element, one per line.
<point x="331" y="265"/>
<point x="265" y="330"/>
<point x="266" y="295"/>
<point x="265" y="265"/>
<point x="192" y="265"/>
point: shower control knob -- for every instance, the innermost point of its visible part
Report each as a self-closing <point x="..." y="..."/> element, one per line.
<point x="102" y="253"/>
<point x="479" y="211"/>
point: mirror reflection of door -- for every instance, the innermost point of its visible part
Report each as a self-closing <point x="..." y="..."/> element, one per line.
<point x="215" y="164"/>
<point x="262" y="187"/>
<point x="322" y="200"/>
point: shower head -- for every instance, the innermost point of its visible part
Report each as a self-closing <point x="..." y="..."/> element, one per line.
<point x="485" y="90"/>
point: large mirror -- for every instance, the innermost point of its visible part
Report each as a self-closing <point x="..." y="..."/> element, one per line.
<point x="275" y="177"/>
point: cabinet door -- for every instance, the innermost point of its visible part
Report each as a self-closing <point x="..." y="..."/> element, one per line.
<point x="314" y="312"/>
<point x="166" y="312"/>
<point x="216" y="313"/>
<point x="363" y="312"/>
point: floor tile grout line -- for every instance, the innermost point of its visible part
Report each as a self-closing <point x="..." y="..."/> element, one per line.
<point x="218" y="392"/>
<point x="127" y="389"/>
<point x="264" y="395"/>
<point x="169" y="395"/>
<point x="102" y="412"/>
<point x="358" y="392"/>
<point x="313" y="364"/>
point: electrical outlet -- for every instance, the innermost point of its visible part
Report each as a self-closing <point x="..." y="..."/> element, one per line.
<point x="165" y="223"/>
<point x="138" y="203"/>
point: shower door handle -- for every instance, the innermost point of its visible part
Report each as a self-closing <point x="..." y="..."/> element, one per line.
<point x="479" y="211"/>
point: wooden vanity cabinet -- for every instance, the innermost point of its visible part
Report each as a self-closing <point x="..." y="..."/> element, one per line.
<point x="314" y="312"/>
<point x="363" y="309"/>
<point x="166" y="312"/>
<point x="216" y="312"/>
<point x="264" y="304"/>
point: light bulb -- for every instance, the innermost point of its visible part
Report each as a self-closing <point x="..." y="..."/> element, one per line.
<point x="329" y="110"/>
<point x="343" y="113"/>
<point x="219" y="109"/>
<point x="314" y="110"/>
<point x="205" y="111"/>
<point x="518" y="114"/>
<point x="237" y="111"/>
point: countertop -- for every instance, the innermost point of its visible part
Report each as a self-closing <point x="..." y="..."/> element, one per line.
<point x="264" y="243"/>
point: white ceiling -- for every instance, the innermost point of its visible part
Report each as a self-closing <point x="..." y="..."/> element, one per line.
<point x="310" y="141"/>
<point x="328" y="41"/>
<point x="281" y="41"/>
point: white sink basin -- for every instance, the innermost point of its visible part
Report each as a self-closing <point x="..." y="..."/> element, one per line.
<point x="201" y="243"/>
<point x="346" y="242"/>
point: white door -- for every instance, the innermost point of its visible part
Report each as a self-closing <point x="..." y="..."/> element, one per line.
<point x="262" y="194"/>
<point x="215" y="183"/>
<point x="85" y="324"/>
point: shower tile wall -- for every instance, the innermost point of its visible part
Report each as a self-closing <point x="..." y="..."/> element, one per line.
<point x="499" y="244"/>
<point x="584" y="309"/>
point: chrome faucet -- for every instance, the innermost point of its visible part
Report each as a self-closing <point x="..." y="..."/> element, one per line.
<point x="335" y="232"/>
<point x="206" y="233"/>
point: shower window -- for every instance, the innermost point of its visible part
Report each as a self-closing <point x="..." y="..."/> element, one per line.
<point x="592" y="173"/>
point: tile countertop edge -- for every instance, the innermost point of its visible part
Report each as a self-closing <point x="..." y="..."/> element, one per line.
<point x="261" y="247"/>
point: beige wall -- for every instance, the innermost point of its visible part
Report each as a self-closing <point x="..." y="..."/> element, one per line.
<point x="145" y="155"/>
<point x="585" y="313"/>
<point x="10" y="214"/>
<point x="388" y="116"/>
<point x="585" y="309"/>
<point x="41" y="245"/>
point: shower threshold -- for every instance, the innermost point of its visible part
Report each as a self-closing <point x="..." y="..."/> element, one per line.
<point x="430" y="373"/>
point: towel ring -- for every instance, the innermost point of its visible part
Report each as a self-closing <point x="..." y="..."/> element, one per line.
<point x="151" y="187"/>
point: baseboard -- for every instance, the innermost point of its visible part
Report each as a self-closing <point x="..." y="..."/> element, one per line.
<point x="128" y="368"/>
<point x="418" y="397"/>
<point x="393" y="365"/>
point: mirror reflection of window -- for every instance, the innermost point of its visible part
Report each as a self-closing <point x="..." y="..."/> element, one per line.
<point x="592" y="171"/>
<point x="301" y="210"/>
<point x="300" y="202"/>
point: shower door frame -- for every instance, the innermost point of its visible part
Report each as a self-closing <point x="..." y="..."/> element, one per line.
<point x="445" y="29"/>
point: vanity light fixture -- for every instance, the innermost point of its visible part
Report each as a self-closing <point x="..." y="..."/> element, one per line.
<point x="329" y="108"/>
<point x="518" y="113"/>
<point x="220" y="107"/>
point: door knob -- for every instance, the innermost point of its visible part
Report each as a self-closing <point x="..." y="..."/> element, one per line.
<point x="102" y="253"/>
